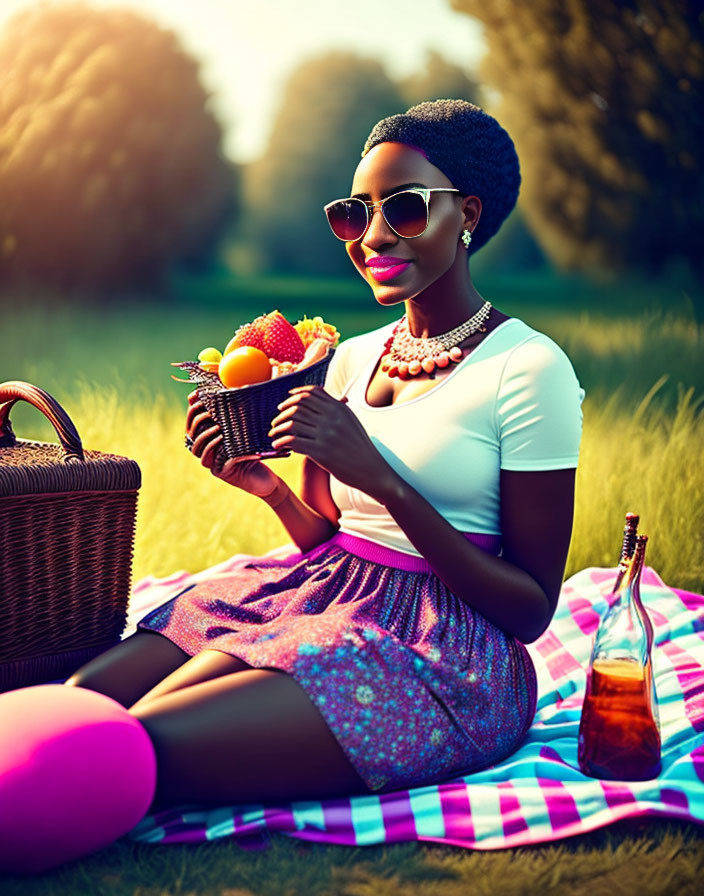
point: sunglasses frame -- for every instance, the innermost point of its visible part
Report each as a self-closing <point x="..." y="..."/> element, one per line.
<point x="369" y="207"/>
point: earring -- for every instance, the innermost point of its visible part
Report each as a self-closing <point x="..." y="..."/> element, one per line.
<point x="466" y="238"/>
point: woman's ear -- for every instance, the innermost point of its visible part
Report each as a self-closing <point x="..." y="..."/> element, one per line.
<point x="471" y="209"/>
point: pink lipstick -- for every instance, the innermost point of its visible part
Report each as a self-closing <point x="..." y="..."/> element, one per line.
<point x="386" y="267"/>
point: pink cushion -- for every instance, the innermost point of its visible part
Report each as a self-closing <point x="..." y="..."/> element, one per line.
<point x="77" y="771"/>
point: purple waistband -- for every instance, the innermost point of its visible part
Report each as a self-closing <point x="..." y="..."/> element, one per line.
<point x="379" y="553"/>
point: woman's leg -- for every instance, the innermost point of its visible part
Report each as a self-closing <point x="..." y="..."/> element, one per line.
<point x="249" y="736"/>
<point x="129" y="669"/>
<point x="203" y="666"/>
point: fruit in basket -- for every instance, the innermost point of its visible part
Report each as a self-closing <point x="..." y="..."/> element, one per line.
<point x="281" y="341"/>
<point x="281" y="368"/>
<point x="269" y="337"/>
<point x="315" y="352"/>
<point x="210" y="355"/>
<point x="209" y="359"/>
<point x="273" y="334"/>
<point x="247" y="334"/>
<point x="243" y="366"/>
<point x="310" y="329"/>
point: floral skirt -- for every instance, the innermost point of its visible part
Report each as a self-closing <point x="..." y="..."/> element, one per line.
<point x="415" y="686"/>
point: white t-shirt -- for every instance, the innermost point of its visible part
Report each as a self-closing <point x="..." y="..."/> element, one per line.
<point x="513" y="403"/>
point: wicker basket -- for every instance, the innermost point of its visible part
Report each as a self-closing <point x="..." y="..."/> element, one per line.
<point x="244" y="415"/>
<point x="67" y="520"/>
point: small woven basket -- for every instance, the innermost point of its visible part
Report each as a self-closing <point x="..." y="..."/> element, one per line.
<point x="244" y="415"/>
<point x="67" y="522"/>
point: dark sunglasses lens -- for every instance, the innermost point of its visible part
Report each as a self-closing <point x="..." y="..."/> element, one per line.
<point x="347" y="218"/>
<point x="407" y="213"/>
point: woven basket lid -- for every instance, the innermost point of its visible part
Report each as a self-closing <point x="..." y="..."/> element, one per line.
<point x="30" y="467"/>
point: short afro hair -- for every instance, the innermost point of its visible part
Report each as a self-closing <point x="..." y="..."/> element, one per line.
<point x="469" y="147"/>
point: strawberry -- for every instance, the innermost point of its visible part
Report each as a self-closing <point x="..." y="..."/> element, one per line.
<point x="247" y="334"/>
<point x="272" y="334"/>
<point x="280" y="338"/>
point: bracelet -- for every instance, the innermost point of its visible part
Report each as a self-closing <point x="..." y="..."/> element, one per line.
<point x="278" y="495"/>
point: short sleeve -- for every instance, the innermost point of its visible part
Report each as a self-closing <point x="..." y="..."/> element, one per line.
<point x="539" y="408"/>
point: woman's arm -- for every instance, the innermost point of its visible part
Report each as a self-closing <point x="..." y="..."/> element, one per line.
<point x="315" y="491"/>
<point x="517" y="591"/>
<point x="307" y="525"/>
<point x="311" y="519"/>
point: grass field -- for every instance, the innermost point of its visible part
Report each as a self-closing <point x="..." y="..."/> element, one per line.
<point x="638" y="354"/>
<point x="651" y="858"/>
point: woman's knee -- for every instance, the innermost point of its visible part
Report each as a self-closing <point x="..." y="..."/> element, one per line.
<point x="204" y="666"/>
<point x="128" y="670"/>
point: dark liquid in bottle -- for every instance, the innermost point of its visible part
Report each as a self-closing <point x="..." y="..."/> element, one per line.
<point x="618" y="736"/>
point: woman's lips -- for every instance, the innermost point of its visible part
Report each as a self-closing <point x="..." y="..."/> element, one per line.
<point x="386" y="267"/>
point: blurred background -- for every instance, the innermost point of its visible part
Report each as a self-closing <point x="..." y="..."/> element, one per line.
<point x="163" y="167"/>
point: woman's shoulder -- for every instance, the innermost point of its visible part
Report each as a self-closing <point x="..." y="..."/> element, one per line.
<point x="525" y="346"/>
<point x="533" y="363"/>
<point x="538" y="404"/>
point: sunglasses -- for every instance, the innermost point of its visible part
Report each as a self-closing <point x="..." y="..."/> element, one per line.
<point x="406" y="213"/>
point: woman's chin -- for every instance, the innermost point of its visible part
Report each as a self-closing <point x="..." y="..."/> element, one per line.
<point x="386" y="294"/>
<point x="388" y="300"/>
<point x="389" y="294"/>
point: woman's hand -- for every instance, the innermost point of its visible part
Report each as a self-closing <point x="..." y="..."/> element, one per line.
<point x="247" y="473"/>
<point x="313" y="423"/>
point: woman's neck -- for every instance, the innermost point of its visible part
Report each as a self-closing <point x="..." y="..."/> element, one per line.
<point x="445" y="304"/>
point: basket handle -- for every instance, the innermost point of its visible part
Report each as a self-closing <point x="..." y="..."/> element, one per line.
<point x="15" y="390"/>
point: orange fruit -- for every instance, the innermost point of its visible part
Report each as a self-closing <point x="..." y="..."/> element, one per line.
<point x="244" y="366"/>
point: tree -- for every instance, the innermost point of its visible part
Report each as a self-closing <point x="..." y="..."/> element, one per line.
<point x="110" y="166"/>
<point x="328" y="108"/>
<point x="604" y="101"/>
<point x="512" y="251"/>
<point x="439" y="79"/>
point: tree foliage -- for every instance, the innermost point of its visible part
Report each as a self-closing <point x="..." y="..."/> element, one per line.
<point x="604" y="101"/>
<point x="110" y="165"/>
<point x="439" y="79"/>
<point x="328" y="108"/>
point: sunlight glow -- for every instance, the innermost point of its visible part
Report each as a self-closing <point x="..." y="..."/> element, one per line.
<point x="248" y="50"/>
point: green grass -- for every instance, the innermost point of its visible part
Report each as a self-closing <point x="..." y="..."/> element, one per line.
<point x="641" y="450"/>
<point x="650" y="858"/>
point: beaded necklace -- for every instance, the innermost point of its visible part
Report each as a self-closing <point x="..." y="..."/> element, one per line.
<point x="407" y="355"/>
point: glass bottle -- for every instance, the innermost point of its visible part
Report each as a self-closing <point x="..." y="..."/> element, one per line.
<point x="619" y="732"/>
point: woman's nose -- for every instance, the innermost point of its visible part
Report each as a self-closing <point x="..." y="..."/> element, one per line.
<point x="378" y="233"/>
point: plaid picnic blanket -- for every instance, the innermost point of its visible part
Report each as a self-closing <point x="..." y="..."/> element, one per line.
<point x="539" y="793"/>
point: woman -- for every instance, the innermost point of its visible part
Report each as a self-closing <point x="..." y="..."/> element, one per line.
<point x="433" y="524"/>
